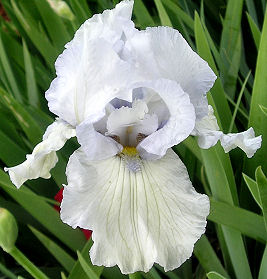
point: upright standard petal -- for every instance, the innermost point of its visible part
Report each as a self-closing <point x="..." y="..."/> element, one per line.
<point x="90" y="66"/>
<point x="43" y="157"/>
<point x="209" y="133"/>
<point x="137" y="218"/>
<point x="90" y="75"/>
<point x="180" y="124"/>
<point x="162" y="52"/>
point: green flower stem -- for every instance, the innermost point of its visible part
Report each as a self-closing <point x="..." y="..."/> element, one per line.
<point x="27" y="264"/>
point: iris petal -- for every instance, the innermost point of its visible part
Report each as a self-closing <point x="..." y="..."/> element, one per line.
<point x="209" y="134"/>
<point x="137" y="218"/>
<point x="162" y="52"/>
<point x="43" y="157"/>
<point x="179" y="125"/>
<point x="90" y="68"/>
<point x="95" y="145"/>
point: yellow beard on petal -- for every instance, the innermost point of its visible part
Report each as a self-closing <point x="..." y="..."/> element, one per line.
<point x="130" y="151"/>
<point x="131" y="158"/>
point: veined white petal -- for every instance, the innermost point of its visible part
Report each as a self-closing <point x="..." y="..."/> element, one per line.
<point x="208" y="133"/>
<point x="162" y="52"/>
<point x="95" y="145"/>
<point x="244" y="140"/>
<point x="90" y="72"/>
<point x="43" y="157"/>
<point x="137" y="218"/>
<point x="180" y="123"/>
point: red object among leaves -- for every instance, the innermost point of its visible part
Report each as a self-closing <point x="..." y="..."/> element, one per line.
<point x="58" y="197"/>
<point x="3" y="13"/>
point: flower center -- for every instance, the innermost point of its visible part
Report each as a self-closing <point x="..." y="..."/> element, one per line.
<point x="131" y="158"/>
<point x="130" y="151"/>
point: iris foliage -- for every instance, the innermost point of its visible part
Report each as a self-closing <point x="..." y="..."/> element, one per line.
<point x="232" y="37"/>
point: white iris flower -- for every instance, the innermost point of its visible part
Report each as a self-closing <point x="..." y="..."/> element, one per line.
<point x="129" y="96"/>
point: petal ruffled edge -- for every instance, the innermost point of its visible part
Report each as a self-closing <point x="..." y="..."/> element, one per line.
<point x="180" y="124"/>
<point x="43" y="157"/>
<point x="245" y="140"/>
<point x="208" y="133"/>
<point x="154" y="215"/>
<point x="162" y="52"/>
<point x="83" y="73"/>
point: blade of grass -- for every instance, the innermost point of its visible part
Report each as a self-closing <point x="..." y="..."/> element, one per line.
<point x="263" y="109"/>
<point x="214" y="275"/>
<point x="207" y="257"/>
<point x="136" y="275"/>
<point x="9" y="73"/>
<point x="10" y="158"/>
<point x="152" y="274"/>
<point x="27" y="264"/>
<point x="180" y="13"/>
<point x="257" y="119"/>
<point x="86" y="268"/>
<point x="262" y="186"/>
<point x="230" y="46"/>
<point x="32" y="91"/>
<point x="29" y="126"/>
<point x="252" y="11"/>
<point x="256" y="34"/>
<point x="169" y="274"/>
<point x="38" y="39"/>
<point x="217" y="91"/>
<point x="79" y="11"/>
<point x="77" y="271"/>
<point x="54" y="25"/>
<point x="61" y="255"/>
<point x="221" y="190"/>
<point x="253" y="188"/>
<point x="242" y="220"/>
<point x="263" y="266"/>
<point x="218" y="100"/>
<point x="7" y="272"/>
<point x="238" y="102"/>
<point x="142" y="15"/>
<point x="164" y="18"/>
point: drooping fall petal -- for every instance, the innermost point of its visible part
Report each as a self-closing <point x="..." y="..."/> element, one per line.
<point x="43" y="157"/>
<point x="137" y="218"/>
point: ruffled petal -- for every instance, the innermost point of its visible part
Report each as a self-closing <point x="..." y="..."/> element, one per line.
<point x="95" y="145"/>
<point x="90" y="72"/>
<point x="110" y="25"/>
<point x="208" y="133"/>
<point x="179" y="125"/>
<point x="162" y="52"/>
<point x="207" y="130"/>
<point x="43" y="157"/>
<point x="137" y="218"/>
<point x="125" y="117"/>
<point x="244" y="140"/>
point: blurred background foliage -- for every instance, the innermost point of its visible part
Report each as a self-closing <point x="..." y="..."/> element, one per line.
<point x="232" y="36"/>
